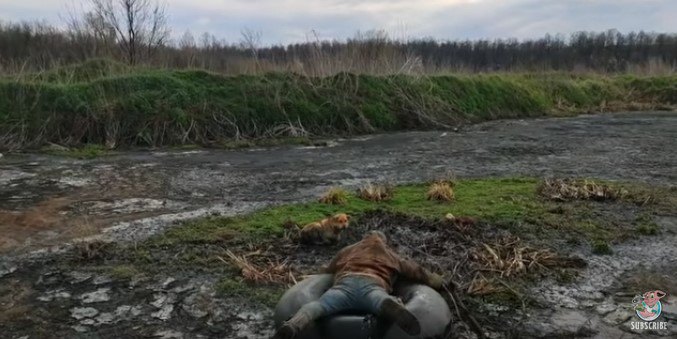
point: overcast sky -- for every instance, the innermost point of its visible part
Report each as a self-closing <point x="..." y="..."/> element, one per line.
<point x="284" y="21"/>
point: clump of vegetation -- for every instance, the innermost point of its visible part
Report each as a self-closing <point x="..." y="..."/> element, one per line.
<point x="570" y="189"/>
<point x="646" y="225"/>
<point x="124" y="272"/>
<point x="335" y="196"/>
<point x="376" y="192"/>
<point x="440" y="191"/>
<point x="93" y="250"/>
<point x="601" y="247"/>
<point x="269" y="273"/>
<point x="88" y="151"/>
<point x="647" y="229"/>
<point x="509" y="256"/>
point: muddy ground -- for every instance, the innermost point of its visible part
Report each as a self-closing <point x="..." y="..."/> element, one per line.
<point x="45" y="201"/>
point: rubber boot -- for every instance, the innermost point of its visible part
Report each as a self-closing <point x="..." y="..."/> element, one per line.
<point x="395" y="312"/>
<point x="292" y="327"/>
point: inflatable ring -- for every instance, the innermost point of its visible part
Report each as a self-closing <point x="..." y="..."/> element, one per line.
<point x="426" y="304"/>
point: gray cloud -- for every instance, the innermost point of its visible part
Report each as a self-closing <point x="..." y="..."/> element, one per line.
<point x="293" y="20"/>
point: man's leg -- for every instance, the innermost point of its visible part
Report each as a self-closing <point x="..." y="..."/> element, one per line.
<point x="334" y="300"/>
<point x="389" y="308"/>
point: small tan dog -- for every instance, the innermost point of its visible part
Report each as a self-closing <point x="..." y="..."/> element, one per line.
<point x="325" y="231"/>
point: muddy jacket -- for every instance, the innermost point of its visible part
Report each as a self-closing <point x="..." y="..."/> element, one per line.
<point x="373" y="258"/>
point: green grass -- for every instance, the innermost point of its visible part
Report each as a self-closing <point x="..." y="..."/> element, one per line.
<point x="88" y="151"/>
<point x="100" y="101"/>
<point x="488" y="199"/>
<point x="511" y="203"/>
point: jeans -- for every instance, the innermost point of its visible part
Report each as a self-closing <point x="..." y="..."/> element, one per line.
<point x="352" y="293"/>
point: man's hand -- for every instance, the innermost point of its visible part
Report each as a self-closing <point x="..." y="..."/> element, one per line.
<point x="435" y="281"/>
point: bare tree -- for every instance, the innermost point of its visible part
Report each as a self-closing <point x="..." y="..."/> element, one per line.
<point x="250" y="41"/>
<point x="140" y="25"/>
<point x="188" y="48"/>
<point x="91" y="35"/>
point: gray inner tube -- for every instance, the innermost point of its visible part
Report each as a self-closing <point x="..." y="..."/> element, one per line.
<point x="426" y="304"/>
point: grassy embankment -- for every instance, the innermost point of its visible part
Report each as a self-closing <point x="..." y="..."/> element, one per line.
<point x="104" y="103"/>
<point x="509" y="204"/>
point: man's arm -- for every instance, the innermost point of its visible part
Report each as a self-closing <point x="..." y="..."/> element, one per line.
<point x="417" y="273"/>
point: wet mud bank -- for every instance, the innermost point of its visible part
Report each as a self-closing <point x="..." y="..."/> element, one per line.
<point x="135" y="194"/>
<point x="47" y="201"/>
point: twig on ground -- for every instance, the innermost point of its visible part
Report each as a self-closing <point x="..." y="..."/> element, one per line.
<point x="464" y="314"/>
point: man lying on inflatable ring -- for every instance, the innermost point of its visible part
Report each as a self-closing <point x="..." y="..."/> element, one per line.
<point x="364" y="274"/>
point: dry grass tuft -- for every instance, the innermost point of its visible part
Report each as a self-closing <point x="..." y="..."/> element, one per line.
<point x="440" y="191"/>
<point x="480" y="285"/>
<point x="376" y="192"/>
<point x="335" y="196"/>
<point x="269" y="273"/>
<point x="82" y="228"/>
<point x="569" y="189"/>
<point x="508" y="257"/>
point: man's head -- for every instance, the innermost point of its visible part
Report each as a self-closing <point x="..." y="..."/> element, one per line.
<point x="377" y="234"/>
